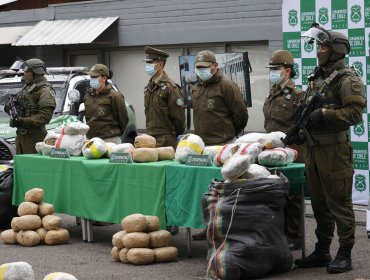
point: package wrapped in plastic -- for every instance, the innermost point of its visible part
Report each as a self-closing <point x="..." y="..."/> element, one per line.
<point x="256" y="171"/>
<point x="72" y="143"/>
<point x="94" y="148"/>
<point x="39" y="146"/>
<point x="43" y="148"/>
<point x="51" y="138"/>
<point x="245" y="228"/>
<point x="269" y="140"/>
<point x="235" y="166"/>
<point x="229" y="150"/>
<point x="145" y="141"/>
<point x="277" y="157"/>
<point x="59" y="276"/>
<point x="16" y="271"/>
<point x="190" y="144"/>
<point x="212" y="150"/>
<point x="122" y="148"/>
<point x="110" y="145"/>
<point x="75" y="128"/>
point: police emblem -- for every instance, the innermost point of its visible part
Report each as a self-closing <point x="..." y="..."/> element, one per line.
<point x="211" y="104"/>
<point x="101" y="111"/>
<point x="179" y="102"/>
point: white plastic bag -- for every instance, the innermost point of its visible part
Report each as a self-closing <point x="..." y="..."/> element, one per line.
<point x="190" y="144"/>
<point x="16" y="271"/>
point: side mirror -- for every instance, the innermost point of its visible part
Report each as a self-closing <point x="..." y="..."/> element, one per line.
<point x="74" y="96"/>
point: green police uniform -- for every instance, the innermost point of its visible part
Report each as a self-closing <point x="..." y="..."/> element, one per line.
<point x="105" y="113"/>
<point x="329" y="162"/>
<point x="163" y="102"/>
<point x="219" y="110"/>
<point x="37" y="104"/>
<point x="278" y="110"/>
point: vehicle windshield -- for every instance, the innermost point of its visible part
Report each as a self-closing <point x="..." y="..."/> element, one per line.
<point x="14" y="88"/>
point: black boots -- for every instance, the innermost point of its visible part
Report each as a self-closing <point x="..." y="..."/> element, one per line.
<point x="319" y="258"/>
<point x="342" y="262"/>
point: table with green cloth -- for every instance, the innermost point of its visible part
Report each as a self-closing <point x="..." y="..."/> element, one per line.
<point x="93" y="189"/>
<point x="185" y="186"/>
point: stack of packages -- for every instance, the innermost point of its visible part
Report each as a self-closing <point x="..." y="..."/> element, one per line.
<point x="142" y="242"/>
<point x="36" y="223"/>
<point x="71" y="137"/>
<point x="24" y="271"/>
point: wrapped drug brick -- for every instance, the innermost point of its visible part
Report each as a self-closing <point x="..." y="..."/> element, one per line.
<point x="75" y="128"/>
<point x="27" y="208"/>
<point x="166" y="153"/>
<point x="72" y="143"/>
<point x="122" y="148"/>
<point x="28" y="238"/>
<point x="269" y="140"/>
<point x="235" y="167"/>
<point x="256" y="171"/>
<point x="59" y="276"/>
<point x="9" y="236"/>
<point x="16" y="270"/>
<point x="94" y="148"/>
<point x="229" y="150"/>
<point x="140" y="256"/>
<point x="212" y="151"/>
<point x="145" y="141"/>
<point x="190" y="144"/>
<point x="277" y="157"/>
<point x="145" y="155"/>
<point x="58" y="236"/>
<point x="134" y="223"/>
<point x="165" y="254"/>
<point x="136" y="240"/>
<point x="35" y="195"/>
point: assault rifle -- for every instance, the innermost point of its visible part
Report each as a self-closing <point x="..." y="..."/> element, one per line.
<point x="301" y="120"/>
<point x="13" y="107"/>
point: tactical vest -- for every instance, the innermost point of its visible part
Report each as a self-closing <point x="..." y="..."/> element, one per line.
<point x="28" y="99"/>
<point x="327" y="87"/>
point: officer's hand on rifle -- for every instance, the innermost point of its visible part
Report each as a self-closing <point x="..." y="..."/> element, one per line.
<point x="317" y="117"/>
<point x="17" y="122"/>
<point x="7" y="108"/>
<point x="301" y="138"/>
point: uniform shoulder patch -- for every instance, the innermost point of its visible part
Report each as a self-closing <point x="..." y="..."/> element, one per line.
<point x="356" y="86"/>
<point x="179" y="102"/>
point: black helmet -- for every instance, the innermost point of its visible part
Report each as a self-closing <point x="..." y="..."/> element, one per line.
<point x="36" y="66"/>
<point x="336" y="40"/>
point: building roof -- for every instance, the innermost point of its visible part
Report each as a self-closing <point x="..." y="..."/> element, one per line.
<point x="10" y="35"/>
<point x="65" y="32"/>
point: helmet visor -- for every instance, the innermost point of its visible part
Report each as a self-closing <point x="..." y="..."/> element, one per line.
<point x="317" y="34"/>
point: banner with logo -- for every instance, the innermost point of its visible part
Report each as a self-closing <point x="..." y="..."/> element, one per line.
<point x="352" y="18"/>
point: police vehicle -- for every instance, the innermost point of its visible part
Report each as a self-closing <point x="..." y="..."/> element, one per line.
<point x="70" y="85"/>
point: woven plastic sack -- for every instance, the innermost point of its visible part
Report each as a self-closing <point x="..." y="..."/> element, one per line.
<point x="245" y="228"/>
<point x="59" y="276"/>
<point x="277" y="157"/>
<point x="94" y="148"/>
<point x="75" y="128"/>
<point x="269" y="140"/>
<point x="190" y="144"/>
<point x="16" y="271"/>
<point x="72" y="143"/>
<point x="229" y="150"/>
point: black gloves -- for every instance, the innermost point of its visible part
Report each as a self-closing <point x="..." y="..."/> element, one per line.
<point x="17" y="122"/>
<point x="7" y="108"/>
<point x="317" y="117"/>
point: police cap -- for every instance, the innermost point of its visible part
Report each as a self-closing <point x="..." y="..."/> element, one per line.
<point x="205" y="59"/>
<point x="153" y="54"/>
<point x="98" y="70"/>
<point x="281" y="57"/>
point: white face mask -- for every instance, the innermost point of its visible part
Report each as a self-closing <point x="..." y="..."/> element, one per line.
<point x="94" y="83"/>
<point x="275" y="77"/>
<point x="204" y="73"/>
<point x="150" y="69"/>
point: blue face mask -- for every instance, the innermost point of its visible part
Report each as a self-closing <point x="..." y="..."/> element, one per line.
<point x="275" y="77"/>
<point x="150" y="69"/>
<point x="94" y="83"/>
<point x="204" y="73"/>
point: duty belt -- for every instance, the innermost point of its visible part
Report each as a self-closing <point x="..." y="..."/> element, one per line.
<point x="329" y="139"/>
<point x="21" y="131"/>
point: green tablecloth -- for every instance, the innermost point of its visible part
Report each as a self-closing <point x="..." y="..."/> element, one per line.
<point x="185" y="186"/>
<point x="94" y="189"/>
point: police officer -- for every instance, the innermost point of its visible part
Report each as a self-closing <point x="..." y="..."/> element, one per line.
<point x="105" y="108"/>
<point x="278" y="111"/>
<point x="219" y="110"/>
<point x="329" y="162"/>
<point x="36" y="102"/>
<point x="164" y="110"/>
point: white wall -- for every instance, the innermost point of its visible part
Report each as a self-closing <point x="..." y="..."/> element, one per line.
<point x="130" y="76"/>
